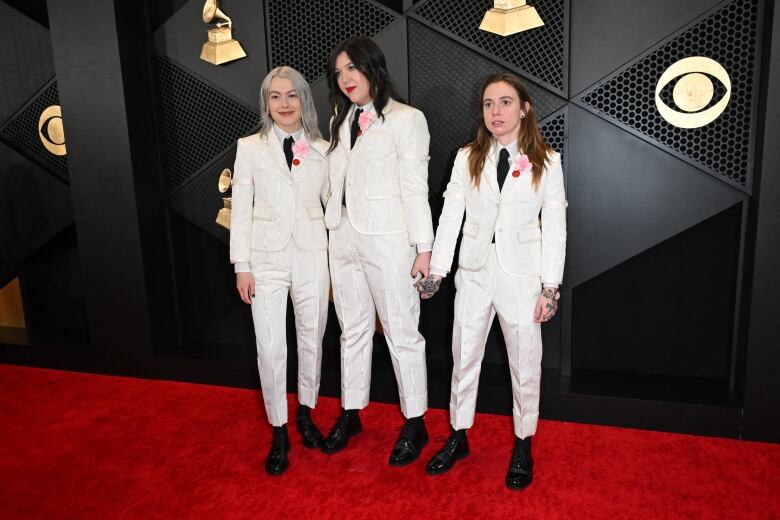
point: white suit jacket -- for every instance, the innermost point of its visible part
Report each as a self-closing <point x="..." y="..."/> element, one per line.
<point x="386" y="176"/>
<point x="524" y="244"/>
<point x="272" y="203"/>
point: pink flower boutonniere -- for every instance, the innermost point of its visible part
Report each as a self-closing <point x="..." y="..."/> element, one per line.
<point x="364" y="121"/>
<point x="300" y="150"/>
<point x="523" y="166"/>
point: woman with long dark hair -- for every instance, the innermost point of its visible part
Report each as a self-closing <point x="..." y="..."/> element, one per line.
<point x="380" y="237"/>
<point x="278" y="244"/>
<point x="510" y="261"/>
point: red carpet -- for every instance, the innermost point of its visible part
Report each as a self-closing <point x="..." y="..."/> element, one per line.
<point x="94" y="447"/>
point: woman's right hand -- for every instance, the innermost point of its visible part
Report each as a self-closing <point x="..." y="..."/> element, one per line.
<point x="245" y="283"/>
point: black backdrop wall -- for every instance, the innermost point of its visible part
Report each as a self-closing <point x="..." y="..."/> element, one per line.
<point x="672" y="232"/>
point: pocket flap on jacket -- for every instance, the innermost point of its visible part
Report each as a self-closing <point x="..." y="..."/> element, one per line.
<point x="263" y="212"/>
<point x="532" y="234"/>
<point x="383" y="191"/>
<point x="470" y="229"/>
<point x="315" y="212"/>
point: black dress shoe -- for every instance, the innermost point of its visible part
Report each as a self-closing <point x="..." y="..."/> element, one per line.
<point x="347" y="425"/>
<point x="521" y="467"/>
<point x="310" y="435"/>
<point x="413" y="437"/>
<point x="454" y="449"/>
<point x="277" y="462"/>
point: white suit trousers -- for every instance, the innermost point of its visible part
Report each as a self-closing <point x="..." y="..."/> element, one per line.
<point x="480" y="295"/>
<point x="371" y="273"/>
<point x="304" y="274"/>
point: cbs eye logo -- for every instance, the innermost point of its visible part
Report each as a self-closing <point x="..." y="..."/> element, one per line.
<point x="50" y="130"/>
<point x="693" y="92"/>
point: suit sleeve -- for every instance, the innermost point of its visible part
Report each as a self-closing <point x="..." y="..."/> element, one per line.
<point x="325" y="191"/>
<point x="243" y="193"/>
<point x="554" y="224"/>
<point x="413" y="174"/>
<point x="451" y="217"/>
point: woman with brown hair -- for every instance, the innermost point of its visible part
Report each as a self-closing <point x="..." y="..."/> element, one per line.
<point x="510" y="262"/>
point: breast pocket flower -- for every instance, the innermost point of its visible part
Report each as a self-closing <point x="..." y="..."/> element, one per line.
<point x="523" y="165"/>
<point x="300" y="150"/>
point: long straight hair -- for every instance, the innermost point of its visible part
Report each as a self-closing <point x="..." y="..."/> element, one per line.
<point x="308" y="112"/>
<point x="529" y="139"/>
<point x="368" y="58"/>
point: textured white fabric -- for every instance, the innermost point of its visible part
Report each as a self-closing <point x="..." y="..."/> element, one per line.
<point x="304" y="275"/>
<point x="481" y="295"/>
<point x="371" y="273"/>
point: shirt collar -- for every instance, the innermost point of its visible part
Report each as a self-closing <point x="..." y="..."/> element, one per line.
<point x="368" y="107"/>
<point x="511" y="148"/>
<point x="282" y="135"/>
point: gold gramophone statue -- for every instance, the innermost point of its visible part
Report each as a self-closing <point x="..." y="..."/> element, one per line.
<point x="221" y="47"/>
<point x="223" y="217"/>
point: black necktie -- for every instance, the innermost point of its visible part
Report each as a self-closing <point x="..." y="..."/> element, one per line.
<point x="288" y="153"/>
<point x="503" y="167"/>
<point x="353" y="130"/>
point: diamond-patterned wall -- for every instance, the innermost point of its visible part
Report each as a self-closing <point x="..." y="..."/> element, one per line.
<point x="445" y="80"/>
<point x="21" y="132"/>
<point x="294" y="23"/>
<point x="540" y="53"/>
<point x="723" y="147"/>
<point x="196" y="121"/>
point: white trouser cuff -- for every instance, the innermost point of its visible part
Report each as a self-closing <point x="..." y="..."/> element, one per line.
<point x="353" y="400"/>
<point x="307" y="396"/>
<point x="525" y="424"/>
<point x="414" y="407"/>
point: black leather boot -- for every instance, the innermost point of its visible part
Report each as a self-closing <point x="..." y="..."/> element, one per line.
<point x="347" y="425"/>
<point x="521" y="467"/>
<point x="412" y="439"/>
<point x="310" y="434"/>
<point x="456" y="448"/>
<point x="276" y="462"/>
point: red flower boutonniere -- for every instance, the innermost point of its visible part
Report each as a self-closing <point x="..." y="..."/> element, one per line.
<point x="523" y="165"/>
<point x="300" y="150"/>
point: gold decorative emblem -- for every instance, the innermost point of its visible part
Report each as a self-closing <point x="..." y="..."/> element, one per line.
<point x="510" y="17"/>
<point x="50" y="130"/>
<point x="693" y="92"/>
<point x="223" y="217"/>
<point x="221" y="47"/>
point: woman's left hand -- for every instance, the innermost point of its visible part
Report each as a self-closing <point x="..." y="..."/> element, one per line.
<point x="546" y="305"/>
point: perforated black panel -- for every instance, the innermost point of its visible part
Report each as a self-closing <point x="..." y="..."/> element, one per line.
<point x="445" y="81"/>
<point x="294" y="23"/>
<point x="25" y="60"/>
<point x="723" y="147"/>
<point x="197" y="122"/>
<point x="538" y="52"/>
<point x="21" y="132"/>
<point x="199" y="200"/>
<point x="554" y="131"/>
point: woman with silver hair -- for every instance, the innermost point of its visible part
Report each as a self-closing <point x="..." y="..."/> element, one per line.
<point x="278" y="245"/>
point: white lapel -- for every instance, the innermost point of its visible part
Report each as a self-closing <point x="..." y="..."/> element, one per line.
<point x="344" y="131"/>
<point x="489" y="172"/>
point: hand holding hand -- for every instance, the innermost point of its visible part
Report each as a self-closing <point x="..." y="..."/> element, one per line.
<point x="428" y="286"/>
<point x="245" y="283"/>
<point x="546" y="305"/>
<point x="421" y="264"/>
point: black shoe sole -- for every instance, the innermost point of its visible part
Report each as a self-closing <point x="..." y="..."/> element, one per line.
<point x="278" y="471"/>
<point x="331" y="451"/>
<point x="460" y="456"/>
<point x="521" y="486"/>
<point x="398" y="464"/>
